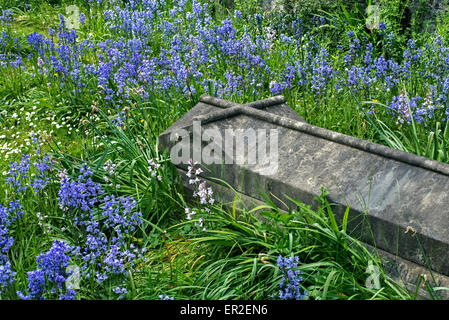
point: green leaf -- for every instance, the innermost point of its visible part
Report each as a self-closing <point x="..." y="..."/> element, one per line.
<point x="332" y="218"/>
<point x="345" y="219"/>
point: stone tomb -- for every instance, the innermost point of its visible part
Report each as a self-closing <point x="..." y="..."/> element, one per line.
<point x="400" y="196"/>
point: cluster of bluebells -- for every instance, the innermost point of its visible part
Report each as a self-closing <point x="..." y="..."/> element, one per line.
<point x="366" y="72"/>
<point x="8" y="214"/>
<point x="119" y="120"/>
<point x="120" y="291"/>
<point x="118" y="214"/>
<point x="30" y="173"/>
<point x="20" y="177"/>
<point x="197" y="55"/>
<point x="402" y="106"/>
<point x="416" y="109"/>
<point x="7" y="16"/>
<point x="60" y="57"/>
<point x="48" y="280"/>
<point x="127" y="63"/>
<point x="43" y="168"/>
<point x="80" y="194"/>
<point x="289" y="287"/>
<point x="106" y="222"/>
<point x="19" y="173"/>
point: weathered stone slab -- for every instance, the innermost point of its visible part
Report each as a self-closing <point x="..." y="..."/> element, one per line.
<point x="388" y="191"/>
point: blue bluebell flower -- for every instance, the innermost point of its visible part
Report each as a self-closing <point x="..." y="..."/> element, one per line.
<point x="48" y="281"/>
<point x="291" y="278"/>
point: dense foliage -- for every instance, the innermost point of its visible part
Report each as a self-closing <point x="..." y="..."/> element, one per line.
<point x="88" y="196"/>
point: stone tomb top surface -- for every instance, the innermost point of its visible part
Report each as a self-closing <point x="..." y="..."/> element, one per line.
<point x="387" y="188"/>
